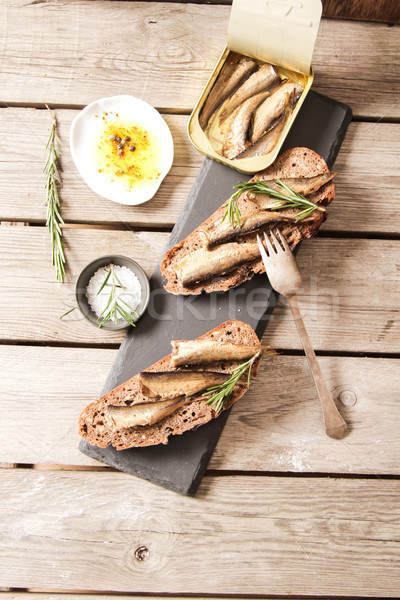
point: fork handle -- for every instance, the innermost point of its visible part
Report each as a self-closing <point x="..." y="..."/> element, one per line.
<point x="335" y="425"/>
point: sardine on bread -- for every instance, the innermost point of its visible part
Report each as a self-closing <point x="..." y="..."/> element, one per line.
<point x="141" y="412"/>
<point x="217" y="256"/>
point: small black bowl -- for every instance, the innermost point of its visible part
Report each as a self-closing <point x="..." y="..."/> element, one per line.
<point x="85" y="276"/>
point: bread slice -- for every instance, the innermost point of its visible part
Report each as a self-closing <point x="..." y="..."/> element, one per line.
<point x="97" y="427"/>
<point x="296" y="162"/>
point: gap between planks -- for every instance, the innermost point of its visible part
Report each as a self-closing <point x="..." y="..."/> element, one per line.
<point x="57" y="594"/>
<point x="279" y="351"/>
<point x="83" y="225"/>
<point x="360" y="118"/>
<point x="60" y="106"/>
<point x="212" y="472"/>
<point x="324" y="233"/>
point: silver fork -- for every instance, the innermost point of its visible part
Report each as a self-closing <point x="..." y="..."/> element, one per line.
<point x="285" y="278"/>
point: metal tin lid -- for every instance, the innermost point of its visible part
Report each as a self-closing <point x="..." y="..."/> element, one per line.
<point x="282" y="32"/>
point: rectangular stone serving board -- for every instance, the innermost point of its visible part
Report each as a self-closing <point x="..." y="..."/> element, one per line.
<point x="179" y="466"/>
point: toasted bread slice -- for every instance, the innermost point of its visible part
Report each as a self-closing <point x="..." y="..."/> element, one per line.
<point x="97" y="427"/>
<point x="296" y="162"/>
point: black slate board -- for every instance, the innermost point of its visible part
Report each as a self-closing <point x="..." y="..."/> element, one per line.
<point x="179" y="466"/>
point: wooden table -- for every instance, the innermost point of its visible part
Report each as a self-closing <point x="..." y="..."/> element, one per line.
<point x="283" y="510"/>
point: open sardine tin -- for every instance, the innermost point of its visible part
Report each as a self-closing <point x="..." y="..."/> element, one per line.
<point x="280" y="32"/>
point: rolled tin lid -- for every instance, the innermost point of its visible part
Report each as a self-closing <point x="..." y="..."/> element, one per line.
<point x="282" y="32"/>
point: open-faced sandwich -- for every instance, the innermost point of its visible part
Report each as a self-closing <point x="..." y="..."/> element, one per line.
<point x="222" y="252"/>
<point x="182" y="391"/>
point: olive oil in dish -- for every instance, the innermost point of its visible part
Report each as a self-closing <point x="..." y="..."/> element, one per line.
<point x="126" y="152"/>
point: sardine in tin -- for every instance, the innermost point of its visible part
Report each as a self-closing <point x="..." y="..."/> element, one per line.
<point x="280" y="32"/>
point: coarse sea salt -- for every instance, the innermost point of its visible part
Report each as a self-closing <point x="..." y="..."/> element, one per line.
<point x="131" y="294"/>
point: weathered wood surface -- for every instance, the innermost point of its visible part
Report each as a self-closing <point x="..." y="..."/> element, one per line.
<point x="367" y="187"/>
<point x="164" y="53"/>
<point x="277" y="426"/>
<point x="349" y="298"/>
<point x="66" y="530"/>
<point x="252" y="535"/>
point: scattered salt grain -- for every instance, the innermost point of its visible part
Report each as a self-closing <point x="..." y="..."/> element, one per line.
<point x="131" y="294"/>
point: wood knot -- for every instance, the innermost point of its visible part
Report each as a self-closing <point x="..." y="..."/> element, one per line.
<point x="348" y="398"/>
<point x="141" y="553"/>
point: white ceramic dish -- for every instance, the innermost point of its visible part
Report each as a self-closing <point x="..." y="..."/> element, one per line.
<point x="86" y="129"/>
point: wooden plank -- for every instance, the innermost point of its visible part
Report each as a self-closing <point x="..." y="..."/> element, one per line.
<point x="278" y="424"/>
<point x="276" y="427"/>
<point x="252" y="533"/>
<point x="368" y="181"/>
<point x="29" y="128"/>
<point x="164" y="53"/>
<point x="349" y="297"/>
<point x="54" y="386"/>
<point x="40" y="595"/>
<point x="367" y="187"/>
<point x="29" y="285"/>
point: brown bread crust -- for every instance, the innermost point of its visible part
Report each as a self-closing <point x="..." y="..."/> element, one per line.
<point x="96" y="427"/>
<point x="296" y="162"/>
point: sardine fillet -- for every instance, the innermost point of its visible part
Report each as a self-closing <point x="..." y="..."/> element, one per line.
<point x="144" y="414"/>
<point x="272" y="108"/>
<point x="225" y="232"/>
<point x="239" y="121"/>
<point x="300" y="185"/>
<point x="197" y="352"/>
<point x="232" y="74"/>
<point x="266" y="143"/>
<point x="263" y="79"/>
<point x="172" y="384"/>
<point x="204" y="264"/>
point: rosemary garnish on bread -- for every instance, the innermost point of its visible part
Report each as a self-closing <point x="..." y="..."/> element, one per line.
<point x="219" y="394"/>
<point x="287" y="198"/>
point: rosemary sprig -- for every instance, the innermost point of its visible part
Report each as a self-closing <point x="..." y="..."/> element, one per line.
<point x="287" y="199"/>
<point x="219" y="394"/>
<point x="67" y="312"/>
<point x="232" y="210"/>
<point x="53" y="181"/>
<point x="116" y="307"/>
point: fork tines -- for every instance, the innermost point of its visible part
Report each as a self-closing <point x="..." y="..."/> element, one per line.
<point x="276" y="244"/>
